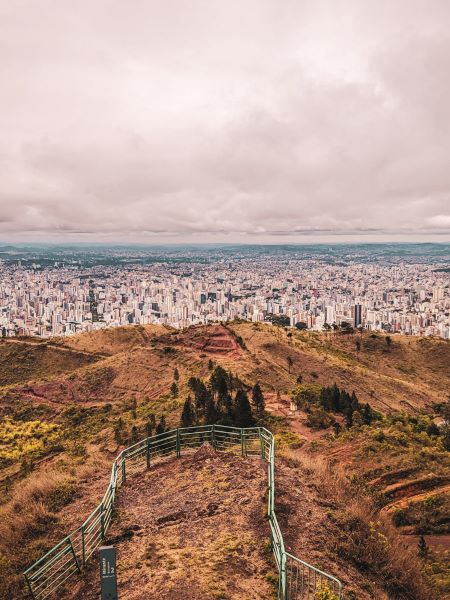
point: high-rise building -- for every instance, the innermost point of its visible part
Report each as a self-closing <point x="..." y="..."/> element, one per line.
<point x="438" y="294"/>
<point x="330" y="315"/>
<point x="357" y="315"/>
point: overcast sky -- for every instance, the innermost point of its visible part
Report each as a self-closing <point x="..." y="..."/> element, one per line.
<point x="230" y="120"/>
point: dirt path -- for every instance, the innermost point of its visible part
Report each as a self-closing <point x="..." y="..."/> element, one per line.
<point x="411" y="497"/>
<point x="192" y="528"/>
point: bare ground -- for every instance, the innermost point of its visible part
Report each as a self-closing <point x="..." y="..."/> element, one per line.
<point x="196" y="528"/>
<point x="192" y="528"/>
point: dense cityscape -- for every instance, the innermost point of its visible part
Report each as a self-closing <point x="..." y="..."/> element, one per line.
<point x="62" y="291"/>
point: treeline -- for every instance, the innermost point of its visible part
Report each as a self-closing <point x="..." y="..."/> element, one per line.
<point x="222" y="400"/>
<point x="336" y="400"/>
<point x="332" y="399"/>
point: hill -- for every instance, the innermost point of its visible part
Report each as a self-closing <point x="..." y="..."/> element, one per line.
<point x="68" y="405"/>
<point x="192" y="528"/>
<point x="407" y="374"/>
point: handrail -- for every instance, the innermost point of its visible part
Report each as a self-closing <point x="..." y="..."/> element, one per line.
<point x="297" y="579"/>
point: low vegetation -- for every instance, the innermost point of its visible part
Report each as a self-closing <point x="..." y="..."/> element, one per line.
<point x="30" y="440"/>
<point x="361" y="535"/>
<point x="378" y="409"/>
<point x="28" y="525"/>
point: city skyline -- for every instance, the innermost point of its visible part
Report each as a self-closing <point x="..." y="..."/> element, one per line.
<point x="60" y="291"/>
<point x="247" y="122"/>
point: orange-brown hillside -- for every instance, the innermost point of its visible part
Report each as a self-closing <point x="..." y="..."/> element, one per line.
<point x="63" y="402"/>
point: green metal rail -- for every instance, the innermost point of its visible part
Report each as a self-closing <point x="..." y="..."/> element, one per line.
<point x="297" y="579"/>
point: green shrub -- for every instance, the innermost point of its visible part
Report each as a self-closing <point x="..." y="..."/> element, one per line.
<point x="61" y="495"/>
<point x="324" y="593"/>
<point x="400" y="517"/>
<point x="20" y="439"/>
<point x="319" y="419"/>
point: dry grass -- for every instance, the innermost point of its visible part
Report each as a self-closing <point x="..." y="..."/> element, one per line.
<point x="23" y="361"/>
<point x="29" y="515"/>
<point x="410" y="374"/>
<point x="113" y="340"/>
<point x="367" y="539"/>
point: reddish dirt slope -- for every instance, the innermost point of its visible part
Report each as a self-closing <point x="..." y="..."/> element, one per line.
<point x="214" y="340"/>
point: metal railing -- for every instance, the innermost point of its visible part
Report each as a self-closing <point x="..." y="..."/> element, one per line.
<point x="297" y="579"/>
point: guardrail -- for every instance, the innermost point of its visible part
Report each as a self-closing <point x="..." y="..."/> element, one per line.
<point x="297" y="579"/>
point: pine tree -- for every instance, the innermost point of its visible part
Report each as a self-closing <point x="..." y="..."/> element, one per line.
<point x="219" y="381"/>
<point x="336" y="398"/>
<point x="422" y="547"/>
<point x="176" y="375"/>
<point x="446" y="426"/>
<point x="174" y="390"/>
<point x="346" y="408"/>
<point x="326" y="399"/>
<point x="290" y="362"/>
<point x="187" y="416"/>
<point x="258" y="399"/>
<point x="202" y="396"/>
<point x="161" y="427"/>
<point x="149" y="429"/>
<point x="337" y="428"/>
<point x="118" y="431"/>
<point x="367" y="414"/>
<point x="134" y="434"/>
<point x="242" y="410"/>
<point x="210" y="365"/>
<point x="193" y="383"/>
<point x="354" y="402"/>
<point x="228" y="412"/>
<point x="211" y="413"/>
<point x="224" y="402"/>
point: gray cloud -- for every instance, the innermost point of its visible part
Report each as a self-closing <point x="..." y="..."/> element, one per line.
<point x="204" y="119"/>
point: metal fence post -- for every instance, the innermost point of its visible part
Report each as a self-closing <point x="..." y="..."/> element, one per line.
<point x="178" y="448"/>
<point x="29" y="587"/>
<point x="74" y="555"/>
<point x="242" y="442"/>
<point x="263" y="448"/>
<point x="83" y="548"/>
<point x="124" y="473"/>
<point x="102" y="520"/>
<point x="148" y="453"/>
<point x="283" y="580"/>
<point x="114" y="481"/>
<point x="213" y="436"/>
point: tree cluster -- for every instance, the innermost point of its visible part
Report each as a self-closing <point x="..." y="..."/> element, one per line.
<point x="221" y="400"/>
<point x="281" y="320"/>
<point x="336" y="400"/>
<point x="126" y="436"/>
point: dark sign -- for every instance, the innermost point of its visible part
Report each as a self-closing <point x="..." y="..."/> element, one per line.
<point x="108" y="575"/>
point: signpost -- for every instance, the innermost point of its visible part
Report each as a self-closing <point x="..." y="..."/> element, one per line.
<point x="108" y="574"/>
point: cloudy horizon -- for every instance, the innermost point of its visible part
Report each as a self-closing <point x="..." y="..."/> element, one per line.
<point x="205" y="121"/>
